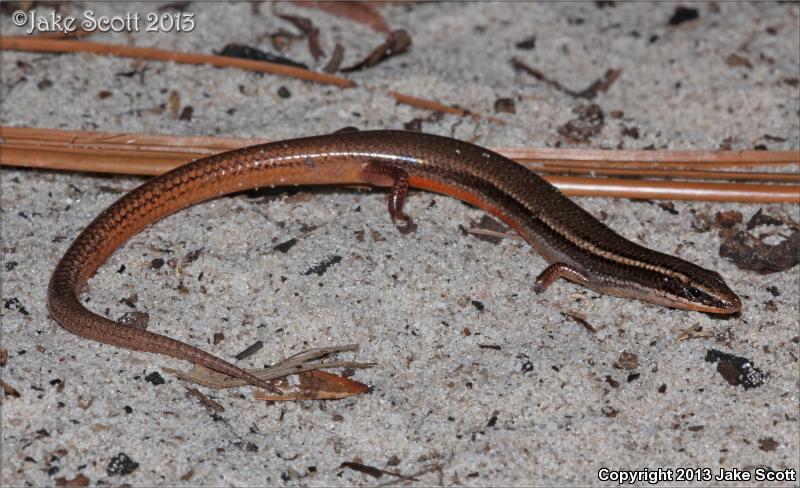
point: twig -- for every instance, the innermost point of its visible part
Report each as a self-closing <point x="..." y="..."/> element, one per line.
<point x="50" y="45"/>
<point x="36" y="44"/>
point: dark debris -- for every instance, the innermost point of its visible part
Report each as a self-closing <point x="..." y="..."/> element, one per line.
<point x="320" y="268"/>
<point x="736" y="370"/>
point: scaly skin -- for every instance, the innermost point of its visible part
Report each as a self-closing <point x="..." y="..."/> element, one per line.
<point x="577" y="245"/>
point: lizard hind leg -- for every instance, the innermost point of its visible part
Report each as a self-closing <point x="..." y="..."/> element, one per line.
<point x="386" y="175"/>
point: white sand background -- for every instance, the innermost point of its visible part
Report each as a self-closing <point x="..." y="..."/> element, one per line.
<point x="545" y="407"/>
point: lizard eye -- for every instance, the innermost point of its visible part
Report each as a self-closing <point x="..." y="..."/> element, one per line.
<point x="694" y="293"/>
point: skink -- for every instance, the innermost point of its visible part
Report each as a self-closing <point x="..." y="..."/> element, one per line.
<point x="576" y="245"/>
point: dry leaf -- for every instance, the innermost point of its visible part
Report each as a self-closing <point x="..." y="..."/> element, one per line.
<point x="317" y="385"/>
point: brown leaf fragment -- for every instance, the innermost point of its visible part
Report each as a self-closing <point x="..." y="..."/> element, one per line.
<point x="361" y="12"/>
<point x="317" y="385"/>
<point x="397" y="42"/>
<point x="759" y="218"/>
<point x="727" y="219"/>
<point x="9" y="390"/>
<point x="767" y="444"/>
<point x="589" y="123"/>
<point x="3" y="356"/>
<point x="187" y="475"/>
<point x="307" y="27"/>
<point x="337" y="56"/>
<point x="627" y="361"/>
<point x="314" y="46"/>
<point x="137" y="320"/>
<point x="734" y="60"/>
<point x="78" y="480"/>
<point x="747" y="251"/>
